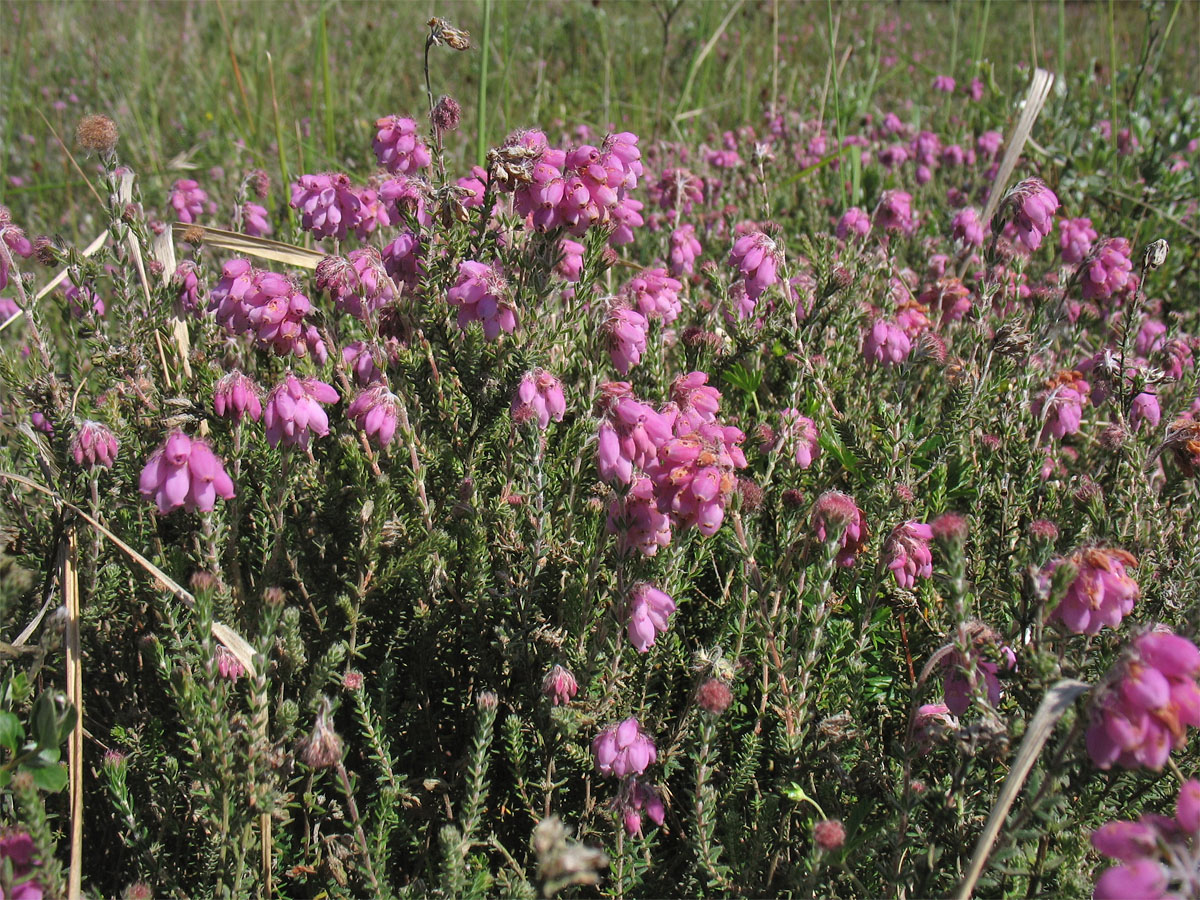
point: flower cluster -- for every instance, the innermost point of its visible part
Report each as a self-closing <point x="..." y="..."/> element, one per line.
<point x="1061" y="401"/>
<point x="1150" y="701"/>
<point x="1101" y="594"/>
<point x="1107" y="270"/>
<point x="757" y="259"/>
<point x="94" y="445"/>
<point x="539" y="397"/>
<point x="685" y="249"/>
<point x="983" y="658"/>
<point x="649" y="611"/>
<point x="907" y="553"/>
<point x="19" y="853"/>
<point x="328" y="205"/>
<point x="376" y="410"/>
<point x="267" y="306"/>
<point x="293" y="411"/>
<point x="559" y="685"/>
<point x="236" y="395"/>
<point x="184" y="472"/>
<point x="624" y="749"/>
<point x="655" y="294"/>
<point x="1032" y="206"/>
<point x="481" y="294"/>
<point x="358" y="283"/>
<point x="635" y="798"/>
<point x="188" y="200"/>
<point x="397" y="145"/>
<point x="625" y="332"/>
<point x="1159" y="855"/>
<point x="836" y="518"/>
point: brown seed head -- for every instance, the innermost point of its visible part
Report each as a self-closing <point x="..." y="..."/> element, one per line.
<point x="97" y="134"/>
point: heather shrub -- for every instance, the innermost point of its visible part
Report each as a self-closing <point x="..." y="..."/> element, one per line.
<point x="806" y="508"/>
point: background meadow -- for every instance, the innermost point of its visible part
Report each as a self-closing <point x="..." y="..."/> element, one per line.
<point x="715" y="451"/>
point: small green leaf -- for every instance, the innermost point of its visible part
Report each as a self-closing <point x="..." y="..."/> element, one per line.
<point x="45" y="721"/>
<point x="11" y="731"/>
<point x="50" y="778"/>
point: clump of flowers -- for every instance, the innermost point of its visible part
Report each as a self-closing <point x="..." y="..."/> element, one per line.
<point x="1103" y="592"/>
<point x="376" y="410"/>
<point x="624" y="749"/>
<point x="1032" y="206"/>
<point x="907" y="553"/>
<point x="293" y="411"/>
<point x="236" y="395"/>
<point x="328" y="205"/>
<point x="1075" y="237"/>
<point x="635" y="798"/>
<point x="966" y="227"/>
<point x="18" y="851"/>
<point x="188" y="287"/>
<point x="1150" y="700"/>
<point x="695" y="476"/>
<point x="359" y="284"/>
<point x="886" y="342"/>
<point x="94" y="445"/>
<point x="649" y="613"/>
<point x="637" y="520"/>
<point x="982" y="659"/>
<point x="184" y="473"/>
<point x="655" y="294"/>
<point x="559" y="685"/>
<point x="854" y="222"/>
<point x="1107" y="270"/>
<point x="481" y="294"/>
<point x="836" y="518"/>
<point x="756" y="257"/>
<point x="188" y="200"/>
<point x="397" y="145"/>
<point x="1061" y="401"/>
<point x="625" y="333"/>
<point x="685" y="250"/>
<point x="1159" y="855"/>
<point x="894" y="212"/>
<point x="267" y="306"/>
<point x="630" y="432"/>
<point x="540" y="397"/>
<point x="801" y="432"/>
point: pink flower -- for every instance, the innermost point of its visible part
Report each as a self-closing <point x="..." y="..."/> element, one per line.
<point x="190" y="293"/>
<point x="187" y="199"/>
<point x="696" y="400"/>
<point x="373" y="213"/>
<point x="267" y="306"/>
<point x="1061" y="401"/>
<point x="637" y="521"/>
<point x="1032" y="206"/>
<point x="626" y="215"/>
<point x="359" y="356"/>
<point x="18" y="850"/>
<point x="1075" y="237"/>
<point x="634" y="799"/>
<point x="293" y="411"/>
<point x="649" y="612"/>
<point x="624" y="749"/>
<point x="951" y="296"/>
<point x="756" y="257"/>
<point x="185" y="473"/>
<point x="402" y="259"/>
<point x="953" y="155"/>
<point x="14" y="240"/>
<point x="570" y="267"/>
<point x="894" y="212"/>
<point x="625" y="336"/>
<point x="405" y="198"/>
<point x="540" y="397"/>
<point x="944" y="83"/>
<point x="961" y="672"/>
<point x="630" y="432"/>
<point x="236" y="395"/>
<point x="481" y="294"/>
<point x="932" y="722"/>
<point x="694" y="478"/>
<point x="886" y="342"/>
<point x="802" y="432"/>
<point x="1145" y="408"/>
<point x="908" y="554"/>
<point x="685" y="249"/>
<point x="1107" y="270"/>
<point x="476" y="186"/>
<point x="94" y="445"/>
<point x="974" y="90"/>
<point x="989" y="144"/>
<point x="678" y="190"/>
<point x="82" y="300"/>
<point x="1151" y="700"/>
<point x="854" y="223"/>
<point x="327" y="203"/>
<point x="559" y="685"/>
<point x="655" y="294"/>
<point x="254" y="220"/>
<point x="397" y="146"/>
<point x="1101" y="594"/>
<point x="359" y="284"/>
<point x="376" y="410"/>
<point x="228" y="666"/>
<point x="830" y="834"/>
<point x="836" y="518"/>
<point x="966" y="227"/>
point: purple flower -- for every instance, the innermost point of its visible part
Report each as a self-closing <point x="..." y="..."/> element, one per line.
<point x="359" y="284"/>
<point x="974" y="90"/>
<point x="397" y="145"/>
<point x="559" y="685"/>
<point x="184" y="472"/>
<point x="634" y="799"/>
<point x="696" y="400"/>
<point x="1075" y="239"/>
<point x="540" y="397"/>
<point x="756" y="257"/>
<point x="18" y="850"/>
<point x="236" y="395"/>
<point x="267" y="306"/>
<point x="655" y="294"/>
<point x="402" y="259"/>
<point x="685" y="249"/>
<point x="328" y="205"/>
<point x="802" y="432"/>
<point x="1143" y="879"/>
<point x="944" y="83"/>
<point x="187" y="199"/>
<point x="854" y="223"/>
<point x="376" y="410"/>
<point x="630" y="432"/>
<point x="1145" y="408"/>
<point x="293" y="411"/>
<point x="481" y="294"/>
<point x="966" y="227"/>
<point x="637" y="520"/>
<point x="1061" y="401"/>
<point x="82" y="300"/>
<point x="1032" y="206"/>
<point x="894" y="212"/>
<point x="694" y="478"/>
<point x="254" y="220"/>
<point x="360" y="358"/>
<point x="886" y="342"/>
<point x="190" y="293"/>
<point x="1151" y="700"/>
<point x="624" y="749"/>
<point x="989" y="144"/>
<point x="961" y="672"/>
<point x="625" y="336"/>
<point x="1107" y="270"/>
<point x="836" y="518"/>
<point x="94" y="445"/>
<point x="405" y="198"/>
<point x="570" y="267"/>
<point x="649" y="612"/>
<point x="907" y="553"/>
<point x="14" y="240"/>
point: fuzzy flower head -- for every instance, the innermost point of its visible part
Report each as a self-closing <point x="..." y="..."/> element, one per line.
<point x="757" y="258"/>
<point x="624" y="749"/>
<point x="1032" y="206"/>
<point x="539" y="396"/>
<point x="836" y="518"/>
<point x="94" y="445"/>
<point x="908" y="554"/>
<point x="1150" y="701"/>
<point x="328" y="205"/>
<point x="481" y="294"/>
<point x="1107" y="270"/>
<point x="184" y="473"/>
<point x="397" y="145"/>
<point x="376" y="410"/>
<point x="649" y="614"/>
<point x="293" y="411"/>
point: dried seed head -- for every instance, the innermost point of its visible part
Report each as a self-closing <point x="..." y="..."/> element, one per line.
<point x="261" y="182"/>
<point x="1043" y="529"/>
<point x="1012" y="340"/>
<point x="442" y="32"/>
<point x="322" y="748"/>
<point x="194" y="236"/>
<point x="752" y="495"/>
<point x="829" y="834"/>
<point x="1155" y="254"/>
<point x="96" y="134"/>
<point x="1113" y="437"/>
<point x="43" y="250"/>
<point x="446" y="114"/>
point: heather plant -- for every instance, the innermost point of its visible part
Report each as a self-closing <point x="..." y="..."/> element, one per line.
<point x="802" y="505"/>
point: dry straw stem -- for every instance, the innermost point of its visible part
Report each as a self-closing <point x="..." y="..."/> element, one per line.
<point x="1056" y="702"/>
<point x="70" y="585"/>
<point x="1035" y="99"/>
<point x="232" y="641"/>
<point x="56" y="280"/>
<point x="262" y="248"/>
